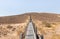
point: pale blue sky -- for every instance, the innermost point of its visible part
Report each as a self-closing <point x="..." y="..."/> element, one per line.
<point x="12" y="7"/>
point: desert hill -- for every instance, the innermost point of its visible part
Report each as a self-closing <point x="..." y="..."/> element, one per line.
<point x="47" y="24"/>
<point x="36" y="16"/>
<point x="13" y="19"/>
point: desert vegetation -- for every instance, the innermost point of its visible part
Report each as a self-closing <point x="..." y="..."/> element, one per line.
<point x="46" y="23"/>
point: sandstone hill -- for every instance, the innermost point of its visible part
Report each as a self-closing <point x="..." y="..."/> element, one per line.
<point x="47" y="24"/>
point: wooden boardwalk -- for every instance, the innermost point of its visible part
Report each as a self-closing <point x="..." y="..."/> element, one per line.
<point x="30" y="34"/>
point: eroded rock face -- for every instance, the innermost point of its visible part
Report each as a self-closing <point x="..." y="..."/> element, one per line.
<point x="47" y="24"/>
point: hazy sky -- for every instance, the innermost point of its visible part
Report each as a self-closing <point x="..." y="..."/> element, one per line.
<point x="10" y="7"/>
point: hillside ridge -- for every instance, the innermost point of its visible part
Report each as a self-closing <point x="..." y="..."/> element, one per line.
<point x="36" y="16"/>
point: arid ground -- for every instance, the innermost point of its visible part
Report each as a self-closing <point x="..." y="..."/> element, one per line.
<point x="47" y="24"/>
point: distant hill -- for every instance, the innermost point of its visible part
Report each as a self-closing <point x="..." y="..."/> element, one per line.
<point x="50" y="17"/>
<point x="13" y="19"/>
<point x="35" y="16"/>
<point x="47" y="24"/>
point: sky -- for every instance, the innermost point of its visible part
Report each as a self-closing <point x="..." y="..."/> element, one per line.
<point x="13" y="7"/>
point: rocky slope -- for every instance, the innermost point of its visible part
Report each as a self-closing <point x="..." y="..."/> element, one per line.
<point x="46" y="23"/>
